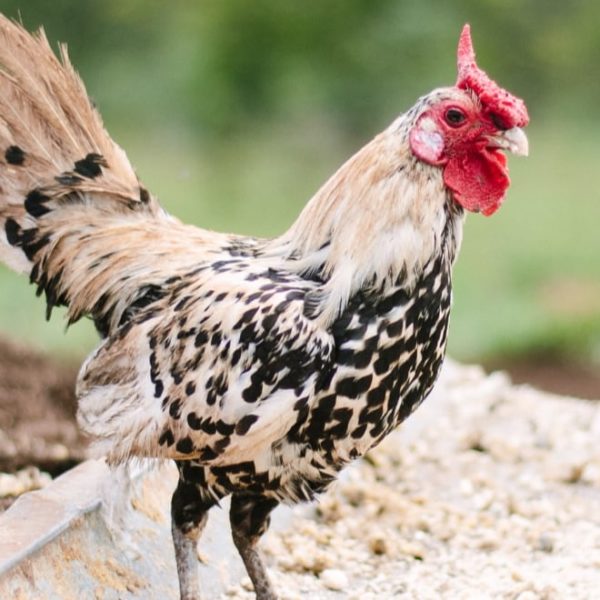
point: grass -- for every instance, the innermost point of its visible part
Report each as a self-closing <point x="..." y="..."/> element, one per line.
<point x="528" y="278"/>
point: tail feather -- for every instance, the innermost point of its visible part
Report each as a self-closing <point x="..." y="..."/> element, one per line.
<point x="63" y="181"/>
<point x="46" y="114"/>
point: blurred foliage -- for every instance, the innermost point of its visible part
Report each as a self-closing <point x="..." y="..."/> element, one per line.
<point x="235" y="112"/>
<point x="221" y="65"/>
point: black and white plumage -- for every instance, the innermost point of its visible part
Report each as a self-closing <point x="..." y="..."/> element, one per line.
<point x="261" y="367"/>
<point x="230" y="359"/>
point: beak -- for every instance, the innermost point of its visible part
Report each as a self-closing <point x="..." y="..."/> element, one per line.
<point x="514" y="140"/>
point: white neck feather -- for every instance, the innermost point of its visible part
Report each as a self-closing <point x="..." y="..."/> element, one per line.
<point x="381" y="215"/>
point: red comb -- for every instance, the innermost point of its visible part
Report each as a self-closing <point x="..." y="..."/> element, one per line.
<point x="510" y="109"/>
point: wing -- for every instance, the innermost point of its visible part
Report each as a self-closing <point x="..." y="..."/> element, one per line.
<point x="218" y="370"/>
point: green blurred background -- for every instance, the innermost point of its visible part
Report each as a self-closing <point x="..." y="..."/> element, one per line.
<point x="234" y="112"/>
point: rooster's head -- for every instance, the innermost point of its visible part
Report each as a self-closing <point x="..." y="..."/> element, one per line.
<point x="465" y="129"/>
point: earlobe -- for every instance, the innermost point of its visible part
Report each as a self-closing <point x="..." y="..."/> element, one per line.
<point x="427" y="142"/>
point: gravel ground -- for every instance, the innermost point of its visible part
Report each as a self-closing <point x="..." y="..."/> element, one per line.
<point x="488" y="491"/>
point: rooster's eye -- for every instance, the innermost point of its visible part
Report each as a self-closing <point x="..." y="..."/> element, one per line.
<point x="454" y="117"/>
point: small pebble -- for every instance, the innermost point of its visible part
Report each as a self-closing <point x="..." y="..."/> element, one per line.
<point x="22" y="481"/>
<point x="378" y="545"/>
<point x="246" y="583"/>
<point x="527" y="595"/>
<point x="546" y="542"/>
<point x="334" y="579"/>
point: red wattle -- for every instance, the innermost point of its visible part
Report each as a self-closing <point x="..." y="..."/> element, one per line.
<point x="478" y="179"/>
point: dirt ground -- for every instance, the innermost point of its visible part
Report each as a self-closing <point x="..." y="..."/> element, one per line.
<point x="37" y="411"/>
<point x="551" y="374"/>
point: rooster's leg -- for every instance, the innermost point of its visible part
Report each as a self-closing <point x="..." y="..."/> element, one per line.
<point x="249" y="516"/>
<point x="189" y="513"/>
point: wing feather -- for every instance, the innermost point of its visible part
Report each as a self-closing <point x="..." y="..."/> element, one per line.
<point x="217" y="371"/>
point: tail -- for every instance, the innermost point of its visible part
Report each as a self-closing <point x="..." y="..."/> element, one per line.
<point x="64" y="184"/>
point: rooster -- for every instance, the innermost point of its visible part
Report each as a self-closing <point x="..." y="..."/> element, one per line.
<point x="260" y="366"/>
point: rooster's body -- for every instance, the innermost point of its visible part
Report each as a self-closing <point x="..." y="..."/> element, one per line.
<point x="261" y="366"/>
